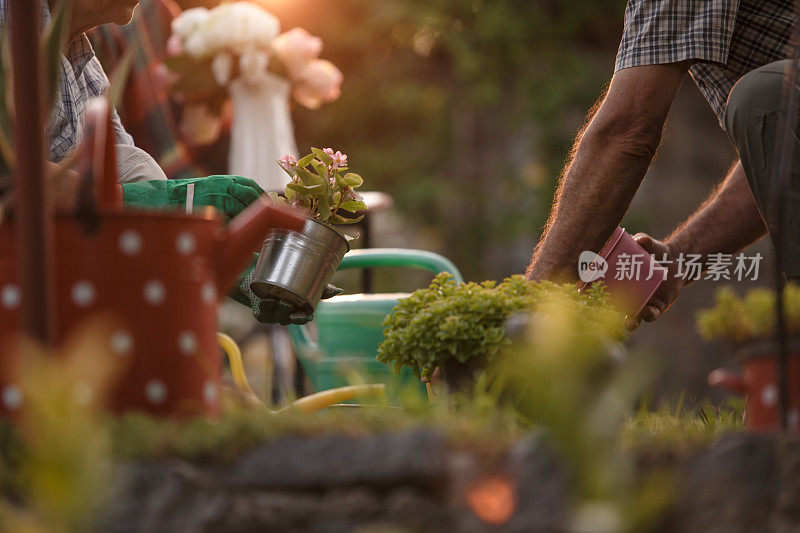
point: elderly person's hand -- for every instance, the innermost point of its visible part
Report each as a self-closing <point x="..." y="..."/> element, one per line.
<point x="271" y="310"/>
<point x="668" y="291"/>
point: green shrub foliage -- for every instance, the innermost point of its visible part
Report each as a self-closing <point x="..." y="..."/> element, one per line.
<point x="749" y="317"/>
<point x="450" y="320"/>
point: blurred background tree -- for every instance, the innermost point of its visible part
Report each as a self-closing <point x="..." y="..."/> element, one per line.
<point x="462" y="110"/>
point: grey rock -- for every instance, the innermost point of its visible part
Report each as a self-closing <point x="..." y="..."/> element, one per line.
<point x="732" y="487"/>
<point x="543" y="486"/>
<point x="414" y="458"/>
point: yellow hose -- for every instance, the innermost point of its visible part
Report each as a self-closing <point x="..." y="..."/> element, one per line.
<point x="234" y="354"/>
<point x="308" y="404"/>
<point x="321" y="400"/>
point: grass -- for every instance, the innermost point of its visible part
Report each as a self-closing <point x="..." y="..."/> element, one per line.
<point x="680" y="430"/>
<point x="481" y="426"/>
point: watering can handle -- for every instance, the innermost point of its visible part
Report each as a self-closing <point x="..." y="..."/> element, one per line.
<point x="99" y="157"/>
<point x="400" y="257"/>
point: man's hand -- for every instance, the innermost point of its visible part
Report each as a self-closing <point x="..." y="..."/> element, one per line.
<point x="668" y="290"/>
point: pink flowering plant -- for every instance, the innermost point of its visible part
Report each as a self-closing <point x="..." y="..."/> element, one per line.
<point x="320" y="183"/>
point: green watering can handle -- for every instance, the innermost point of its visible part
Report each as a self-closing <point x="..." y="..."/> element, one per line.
<point x="400" y="257"/>
<point x="379" y="257"/>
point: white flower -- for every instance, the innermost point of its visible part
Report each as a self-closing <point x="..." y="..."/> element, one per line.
<point x="195" y="45"/>
<point x="222" y="68"/>
<point x="190" y="21"/>
<point x="253" y="65"/>
<point x="240" y="26"/>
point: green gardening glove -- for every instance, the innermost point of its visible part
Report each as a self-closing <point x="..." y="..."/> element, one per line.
<point x="274" y="311"/>
<point x="230" y="195"/>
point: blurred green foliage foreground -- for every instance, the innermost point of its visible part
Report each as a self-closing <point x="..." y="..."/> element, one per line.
<point x="562" y="376"/>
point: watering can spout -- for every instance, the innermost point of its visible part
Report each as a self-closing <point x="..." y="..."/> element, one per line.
<point x="244" y="234"/>
<point x="727" y="379"/>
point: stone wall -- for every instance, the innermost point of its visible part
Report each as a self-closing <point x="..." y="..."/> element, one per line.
<point x="416" y="481"/>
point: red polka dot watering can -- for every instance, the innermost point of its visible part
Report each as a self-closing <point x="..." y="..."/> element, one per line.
<point x="758" y="382"/>
<point x="160" y="274"/>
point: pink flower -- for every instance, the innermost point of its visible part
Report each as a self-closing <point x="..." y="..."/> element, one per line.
<point x="319" y="83"/>
<point x="296" y="49"/>
<point x="288" y="162"/>
<point x="339" y="159"/>
<point x="174" y="45"/>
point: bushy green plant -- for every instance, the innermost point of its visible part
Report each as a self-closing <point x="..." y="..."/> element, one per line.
<point x="461" y="321"/>
<point x="750" y="317"/>
<point x="321" y="184"/>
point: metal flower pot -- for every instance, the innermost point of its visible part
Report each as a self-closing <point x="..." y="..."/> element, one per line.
<point x="296" y="266"/>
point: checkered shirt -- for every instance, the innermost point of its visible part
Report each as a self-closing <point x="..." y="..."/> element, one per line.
<point x="82" y="78"/>
<point x="725" y="39"/>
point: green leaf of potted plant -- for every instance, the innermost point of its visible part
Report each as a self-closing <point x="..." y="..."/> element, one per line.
<point x="296" y="267"/>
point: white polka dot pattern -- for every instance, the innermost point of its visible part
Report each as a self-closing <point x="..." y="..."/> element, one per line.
<point x="130" y="242"/>
<point x="121" y="342"/>
<point x="209" y="293"/>
<point x="155" y="292"/>
<point x="10" y="296"/>
<point x="155" y="391"/>
<point x="769" y="395"/>
<point x="187" y="343"/>
<point x="83" y="293"/>
<point x="210" y="392"/>
<point x="11" y="397"/>
<point x="185" y="243"/>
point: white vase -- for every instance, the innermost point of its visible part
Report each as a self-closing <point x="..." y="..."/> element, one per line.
<point x="262" y="130"/>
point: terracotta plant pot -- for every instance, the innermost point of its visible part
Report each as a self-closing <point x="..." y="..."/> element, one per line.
<point x="160" y="274"/>
<point x="636" y="284"/>
<point x="758" y="383"/>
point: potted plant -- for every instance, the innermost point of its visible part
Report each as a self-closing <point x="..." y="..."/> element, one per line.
<point x="748" y="323"/>
<point x="461" y="327"/>
<point x="296" y="266"/>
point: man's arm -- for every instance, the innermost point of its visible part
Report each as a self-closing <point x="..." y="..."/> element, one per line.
<point x="609" y="161"/>
<point x="725" y="223"/>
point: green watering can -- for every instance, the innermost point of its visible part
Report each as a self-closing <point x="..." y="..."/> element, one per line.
<point x="349" y="326"/>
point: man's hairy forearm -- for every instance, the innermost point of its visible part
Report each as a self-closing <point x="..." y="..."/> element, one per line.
<point x="609" y="162"/>
<point x="727" y="221"/>
<point x="591" y="199"/>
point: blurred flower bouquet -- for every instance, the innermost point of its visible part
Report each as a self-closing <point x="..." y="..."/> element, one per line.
<point x="236" y="50"/>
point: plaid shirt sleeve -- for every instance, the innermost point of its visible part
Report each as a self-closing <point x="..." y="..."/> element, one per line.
<point x="669" y="31"/>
